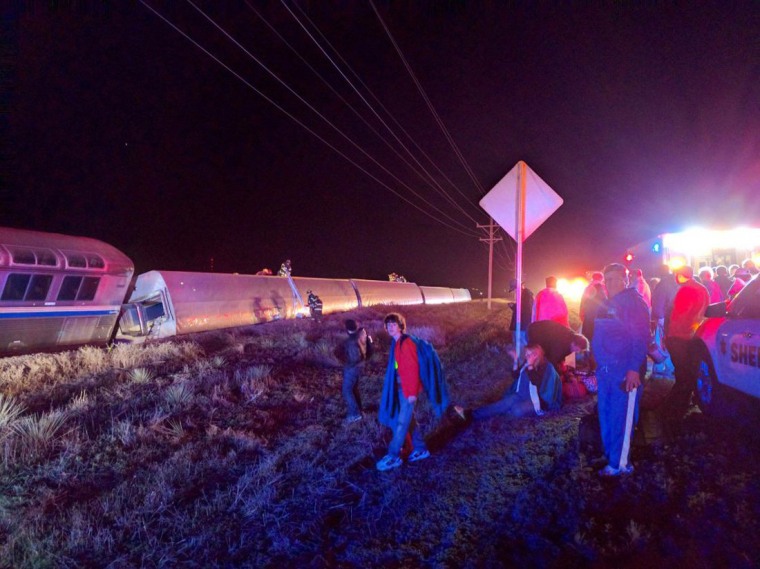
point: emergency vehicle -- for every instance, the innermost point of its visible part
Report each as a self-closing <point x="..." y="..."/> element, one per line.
<point x="696" y="247"/>
<point x="728" y="349"/>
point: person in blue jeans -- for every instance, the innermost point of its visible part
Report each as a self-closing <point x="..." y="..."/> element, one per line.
<point x="404" y="371"/>
<point x="536" y="389"/>
<point x="356" y="349"/>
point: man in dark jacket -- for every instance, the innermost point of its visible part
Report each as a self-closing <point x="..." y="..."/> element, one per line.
<point x="621" y="337"/>
<point x="526" y="309"/>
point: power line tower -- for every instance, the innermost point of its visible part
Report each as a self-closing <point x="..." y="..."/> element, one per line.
<point x="491" y="239"/>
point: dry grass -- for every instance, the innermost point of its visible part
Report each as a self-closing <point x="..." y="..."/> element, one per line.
<point x="230" y="451"/>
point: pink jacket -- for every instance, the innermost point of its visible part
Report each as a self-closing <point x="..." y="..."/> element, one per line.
<point x="550" y="305"/>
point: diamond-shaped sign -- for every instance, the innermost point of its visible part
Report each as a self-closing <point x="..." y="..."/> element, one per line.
<point x="501" y="202"/>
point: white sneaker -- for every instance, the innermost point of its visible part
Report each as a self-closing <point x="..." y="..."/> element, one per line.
<point x="418" y="455"/>
<point x="610" y="472"/>
<point x="388" y="462"/>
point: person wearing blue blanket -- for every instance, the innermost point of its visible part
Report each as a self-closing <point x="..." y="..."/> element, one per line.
<point x="413" y="367"/>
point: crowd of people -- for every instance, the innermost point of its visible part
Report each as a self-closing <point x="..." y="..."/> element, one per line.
<point x="621" y="315"/>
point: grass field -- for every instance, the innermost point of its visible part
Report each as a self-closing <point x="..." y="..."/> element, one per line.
<point x="228" y="450"/>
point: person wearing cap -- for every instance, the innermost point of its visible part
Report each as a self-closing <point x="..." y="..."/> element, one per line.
<point x="526" y="309"/>
<point x="688" y="312"/>
<point x="354" y="351"/>
<point x="621" y="337"/>
<point x="550" y="304"/>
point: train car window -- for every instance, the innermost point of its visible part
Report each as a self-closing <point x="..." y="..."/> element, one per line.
<point x="154" y="311"/>
<point x="46" y="257"/>
<point x="69" y="288"/>
<point x="15" y="287"/>
<point x="89" y="288"/>
<point x="23" y="257"/>
<point x="75" y="260"/>
<point x="39" y="288"/>
<point x="95" y="262"/>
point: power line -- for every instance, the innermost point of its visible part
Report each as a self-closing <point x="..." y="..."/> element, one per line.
<point x="366" y="102"/>
<point x="304" y="126"/>
<point x="435" y="114"/>
<point x="352" y="108"/>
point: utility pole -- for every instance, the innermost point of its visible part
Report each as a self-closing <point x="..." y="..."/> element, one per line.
<point x="491" y="239"/>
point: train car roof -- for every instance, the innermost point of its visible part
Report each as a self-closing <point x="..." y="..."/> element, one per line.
<point x="115" y="260"/>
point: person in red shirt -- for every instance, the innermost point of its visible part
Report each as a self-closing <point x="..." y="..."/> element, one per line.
<point x="407" y="370"/>
<point x="689" y="305"/>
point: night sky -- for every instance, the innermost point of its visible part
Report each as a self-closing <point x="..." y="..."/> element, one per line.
<point x="645" y="119"/>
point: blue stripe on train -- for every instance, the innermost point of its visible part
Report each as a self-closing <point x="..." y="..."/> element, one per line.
<point x="56" y="314"/>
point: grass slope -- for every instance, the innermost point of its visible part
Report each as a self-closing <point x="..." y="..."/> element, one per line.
<point x="229" y="450"/>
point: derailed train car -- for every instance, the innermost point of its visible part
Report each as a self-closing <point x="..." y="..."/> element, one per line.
<point x="60" y="291"/>
<point x="169" y="303"/>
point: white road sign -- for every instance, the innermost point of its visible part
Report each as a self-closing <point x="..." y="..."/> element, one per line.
<point x="501" y="203"/>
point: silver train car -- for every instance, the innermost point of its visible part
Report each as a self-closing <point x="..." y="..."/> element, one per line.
<point x="58" y="291"/>
<point x="170" y="303"/>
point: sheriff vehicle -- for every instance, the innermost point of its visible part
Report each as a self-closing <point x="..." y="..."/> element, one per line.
<point x="728" y="347"/>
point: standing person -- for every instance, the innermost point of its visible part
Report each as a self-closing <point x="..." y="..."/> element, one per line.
<point x="662" y="303"/>
<point x="285" y="269"/>
<point x="526" y="310"/>
<point x="741" y="278"/>
<point x="713" y="288"/>
<point x="662" y="297"/>
<point x="724" y="280"/>
<point x="749" y="264"/>
<point x="688" y="311"/>
<point x="591" y="302"/>
<point x="356" y="349"/>
<point x="597" y="279"/>
<point x="557" y="341"/>
<point x="315" y="305"/>
<point x="550" y="304"/>
<point x="642" y="287"/>
<point x="621" y="337"/>
<point x="412" y="367"/>
<point x="593" y="297"/>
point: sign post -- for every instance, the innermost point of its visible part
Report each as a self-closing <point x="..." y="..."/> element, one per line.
<point x="520" y="202"/>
